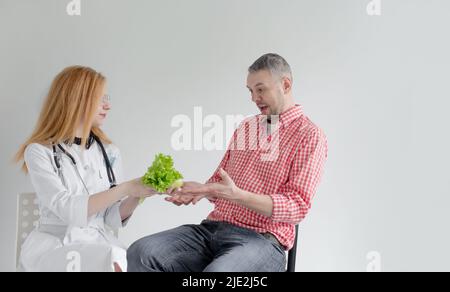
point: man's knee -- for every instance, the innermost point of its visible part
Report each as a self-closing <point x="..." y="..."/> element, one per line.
<point x="159" y="252"/>
<point x="141" y="255"/>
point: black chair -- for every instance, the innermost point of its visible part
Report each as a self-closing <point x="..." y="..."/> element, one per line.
<point x="292" y="254"/>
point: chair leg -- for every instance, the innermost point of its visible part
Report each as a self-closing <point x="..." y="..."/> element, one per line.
<point x="292" y="256"/>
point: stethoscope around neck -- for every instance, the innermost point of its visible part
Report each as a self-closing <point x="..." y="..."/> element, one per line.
<point x="92" y="137"/>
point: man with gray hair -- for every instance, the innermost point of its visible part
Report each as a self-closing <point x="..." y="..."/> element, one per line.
<point x="262" y="188"/>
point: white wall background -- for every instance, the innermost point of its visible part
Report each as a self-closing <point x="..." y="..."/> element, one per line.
<point x="378" y="86"/>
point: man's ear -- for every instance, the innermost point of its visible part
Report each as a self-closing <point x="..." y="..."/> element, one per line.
<point x="287" y="85"/>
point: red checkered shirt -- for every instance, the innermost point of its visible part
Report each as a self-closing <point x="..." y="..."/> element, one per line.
<point x="286" y="165"/>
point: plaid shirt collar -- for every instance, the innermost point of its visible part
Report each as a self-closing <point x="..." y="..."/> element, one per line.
<point x="286" y="117"/>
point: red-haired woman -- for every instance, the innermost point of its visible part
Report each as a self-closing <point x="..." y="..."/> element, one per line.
<point x="76" y="173"/>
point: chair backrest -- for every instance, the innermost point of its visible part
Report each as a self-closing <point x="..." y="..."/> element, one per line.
<point x="292" y="256"/>
<point x="27" y="219"/>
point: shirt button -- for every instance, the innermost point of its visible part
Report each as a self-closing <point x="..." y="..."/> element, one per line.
<point x="86" y="167"/>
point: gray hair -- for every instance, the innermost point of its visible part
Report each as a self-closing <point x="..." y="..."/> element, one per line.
<point x="276" y="64"/>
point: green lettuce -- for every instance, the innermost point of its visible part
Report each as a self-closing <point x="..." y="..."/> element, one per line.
<point x="162" y="175"/>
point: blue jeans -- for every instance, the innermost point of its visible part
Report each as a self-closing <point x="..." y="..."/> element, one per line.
<point x="208" y="247"/>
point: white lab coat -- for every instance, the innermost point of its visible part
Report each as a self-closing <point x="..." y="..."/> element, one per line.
<point x="63" y="205"/>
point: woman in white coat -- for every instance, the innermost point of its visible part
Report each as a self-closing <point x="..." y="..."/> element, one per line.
<point x="76" y="173"/>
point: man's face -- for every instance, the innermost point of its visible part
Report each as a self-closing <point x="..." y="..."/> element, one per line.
<point x="267" y="92"/>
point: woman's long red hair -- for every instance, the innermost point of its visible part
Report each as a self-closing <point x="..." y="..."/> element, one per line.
<point x="73" y="98"/>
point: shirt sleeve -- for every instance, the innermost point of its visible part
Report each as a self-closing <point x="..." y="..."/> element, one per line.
<point x="113" y="218"/>
<point x="72" y="208"/>
<point x="112" y="214"/>
<point x="293" y="199"/>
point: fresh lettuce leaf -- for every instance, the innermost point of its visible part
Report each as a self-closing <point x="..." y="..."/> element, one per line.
<point x="162" y="175"/>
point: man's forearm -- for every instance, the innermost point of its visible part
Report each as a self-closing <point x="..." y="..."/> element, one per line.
<point x="259" y="203"/>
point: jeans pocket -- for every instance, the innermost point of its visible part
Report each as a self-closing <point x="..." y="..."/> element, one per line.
<point x="273" y="240"/>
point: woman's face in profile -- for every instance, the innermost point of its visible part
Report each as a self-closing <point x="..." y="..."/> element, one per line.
<point x="103" y="109"/>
